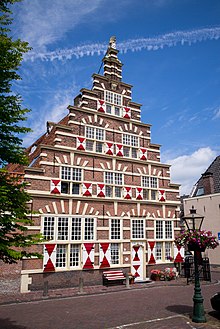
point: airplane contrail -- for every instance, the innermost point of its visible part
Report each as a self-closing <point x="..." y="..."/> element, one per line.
<point x="160" y="42"/>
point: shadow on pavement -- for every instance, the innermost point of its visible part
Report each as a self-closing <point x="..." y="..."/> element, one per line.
<point x="180" y="309"/>
<point x="8" y="324"/>
<point x="215" y="315"/>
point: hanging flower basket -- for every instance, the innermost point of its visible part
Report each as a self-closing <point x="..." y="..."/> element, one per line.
<point x="196" y="240"/>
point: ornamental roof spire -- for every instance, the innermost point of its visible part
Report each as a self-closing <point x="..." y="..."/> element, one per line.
<point x="112" y="65"/>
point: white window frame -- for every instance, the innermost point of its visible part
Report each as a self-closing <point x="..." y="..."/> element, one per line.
<point x="136" y="224"/>
<point x="115" y="229"/>
<point x="165" y="231"/>
<point x="115" y="250"/>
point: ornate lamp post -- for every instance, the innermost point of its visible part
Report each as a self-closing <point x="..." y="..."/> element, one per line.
<point x="194" y="222"/>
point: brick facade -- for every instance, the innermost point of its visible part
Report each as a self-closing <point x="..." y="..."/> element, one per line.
<point x="100" y="194"/>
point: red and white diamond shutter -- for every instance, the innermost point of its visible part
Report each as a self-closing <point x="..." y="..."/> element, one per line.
<point x="151" y="252"/>
<point x="127" y="192"/>
<point x="137" y="261"/>
<point x="104" y="255"/>
<point x="55" y="186"/>
<point x="127" y="112"/>
<point x="143" y="154"/>
<point x="87" y="189"/>
<point x="109" y="148"/>
<point x="178" y="254"/>
<point x="101" y="190"/>
<point x="88" y="255"/>
<point x="81" y="143"/>
<point x="119" y="150"/>
<point x="101" y="107"/>
<point x="162" y="195"/>
<point x="139" y="193"/>
<point x="49" y="257"/>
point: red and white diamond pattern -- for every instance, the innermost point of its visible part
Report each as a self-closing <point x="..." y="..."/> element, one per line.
<point x="101" y="107"/>
<point x="105" y="255"/>
<point x="178" y="254"/>
<point x="127" y="112"/>
<point x="88" y="255"/>
<point x="81" y="143"/>
<point x="49" y="257"/>
<point x="101" y="190"/>
<point x="139" y="193"/>
<point x="119" y="150"/>
<point x="87" y="189"/>
<point x="143" y="154"/>
<point x="127" y="192"/>
<point x="109" y="148"/>
<point x="137" y="262"/>
<point x="151" y="252"/>
<point x="55" y="186"/>
<point x="162" y="195"/>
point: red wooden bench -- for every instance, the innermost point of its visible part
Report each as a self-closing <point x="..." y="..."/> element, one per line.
<point x="113" y="277"/>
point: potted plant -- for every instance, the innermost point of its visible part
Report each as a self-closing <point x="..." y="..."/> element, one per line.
<point x="155" y="275"/>
<point x="170" y="273"/>
<point x="196" y="240"/>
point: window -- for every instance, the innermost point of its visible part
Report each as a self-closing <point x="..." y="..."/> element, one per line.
<point x="62" y="228"/>
<point x="164" y="229"/>
<point x="113" y="178"/>
<point x="153" y="182"/>
<point x="158" y="251"/>
<point x="108" y="109"/>
<point x="89" y="145"/>
<point x="93" y="137"/>
<point x="109" y="191"/>
<point x="76" y="229"/>
<point x="109" y="177"/>
<point x="126" y="151"/>
<point x="114" y="253"/>
<point x="134" y="153"/>
<point x="149" y="183"/>
<point x="145" y="181"/>
<point x="115" y="229"/>
<point x="99" y="147"/>
<point x="118" y="179"/>
<point x="89" y="229"/>
<point x="99" y="134"/>
<point x="113" y="98"/>
<point x="74" y="255"/>
<point x="48" y="231"/>
<point x="117" y="111"/>
<point x="90" y="132"/>
<point x="130" y="140"/>
<point x="118" y="192"/>
<point x="167" y="250"/>
<point x="137" y="229"/>
<point x="70" y="175"/>
<point x="61" y="255"/>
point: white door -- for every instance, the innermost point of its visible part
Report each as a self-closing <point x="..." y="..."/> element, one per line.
<point x="137" y="262"/>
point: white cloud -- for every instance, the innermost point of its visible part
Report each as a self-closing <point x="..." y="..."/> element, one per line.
<point x="187" y="169"/>
<point x="217" y="114"/>
<point x="166" y="40"/>
<point x="54" y="110"/>
<point x="44" y="22"/>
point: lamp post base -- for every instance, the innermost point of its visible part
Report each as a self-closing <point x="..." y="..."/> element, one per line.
<point x="198" y="310"/>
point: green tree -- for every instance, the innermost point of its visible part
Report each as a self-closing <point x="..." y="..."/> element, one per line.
<point x="14" y="209"/>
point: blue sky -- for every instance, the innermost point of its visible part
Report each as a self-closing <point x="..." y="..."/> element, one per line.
<point x="171" y="55"/>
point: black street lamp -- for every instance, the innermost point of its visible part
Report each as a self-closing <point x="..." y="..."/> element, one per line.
<point x="194" y="222"/>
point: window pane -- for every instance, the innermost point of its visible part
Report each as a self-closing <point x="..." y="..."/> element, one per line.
<point x="126" y="151"/>
<point x="118" y="179"/>
<point x="109" y="96"/>
<point x="159" y="229"/>
<point x="134" y="140"/>
<point x="117" y="99"/>
<point x="90" y="132"/>
<point x="99" y="147"/>
<point x="145" y="181"/>
<point x="167" y="250"/>
<point x="153" y="182"/>
<point x="115" y="229"/>
<point x="168" y="230"/>
<point x="117" y="111"/>
<point x="137" y="229"/>
<point x="114" y="253"/>
<point x="61" y="256"/>
<point x="108" y="191"/>
<point x="89" y="145"/>
<point x="48" y="228"/>
<point x="65" y="187"/>
<point x="99" y="134"/>
<point x="145" y="194"/>
<point x="118" y="192"/>
<point x="76" y="229"/>
<point x="89" y="229"/>
<point x="75" y="188"/>
<point x="74" y="255"/>
<point x="134" y="153"/>
<point x="66" y="173"/>
<point x="62" y="228"/>
<point x="77" y="174"/>
<point x="108" y="108"/>
<point x="153" y="195"/>
<point x="158" y="251"/>
<point x="126" y="139"/>
<point x="109" y="177"/>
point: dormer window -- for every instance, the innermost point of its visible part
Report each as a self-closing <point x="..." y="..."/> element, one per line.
<point x="113" y="98"/>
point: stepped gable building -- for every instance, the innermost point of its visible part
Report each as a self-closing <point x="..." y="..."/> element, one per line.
<point x="100" y="195"/>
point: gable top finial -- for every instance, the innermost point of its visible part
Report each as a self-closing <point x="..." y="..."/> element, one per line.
<point x="112" y="42"/>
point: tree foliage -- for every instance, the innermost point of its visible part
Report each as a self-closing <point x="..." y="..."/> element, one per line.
<point x="14" y="209"/>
